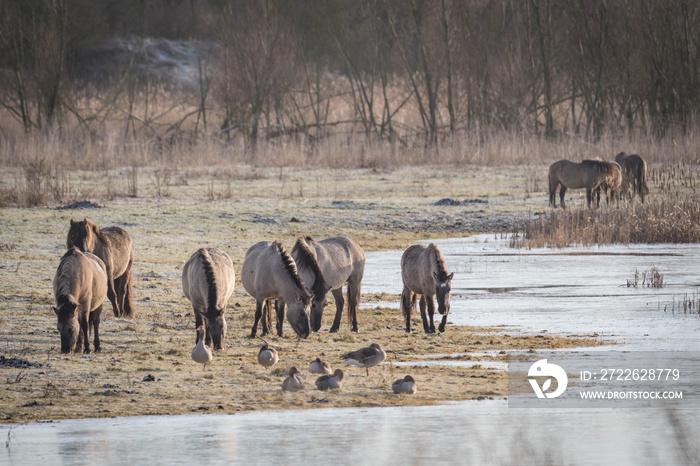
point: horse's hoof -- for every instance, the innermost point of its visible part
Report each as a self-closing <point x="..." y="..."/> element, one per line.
<point x="333" y="330"/>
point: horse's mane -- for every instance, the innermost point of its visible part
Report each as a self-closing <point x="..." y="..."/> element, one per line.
<point x="90" y="226"/>
<point x="95" y="229"/>
<point x="307" y="258"/>
<point x="210" y="278"/>
<point x="603" y="167"/>
<point x="439" y="262"/>
<point x="63" y="287"/>
<point x="291" y="267"/>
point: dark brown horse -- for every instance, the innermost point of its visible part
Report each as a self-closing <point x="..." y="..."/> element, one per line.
<point x="340" y="261"/>
<point x="588" y="174"/>
<point x="207" y="281"/>
<point x="116" y="249"/>
<point x="80" y="288"/>
<point x="634" y="174"/>
<point x="424" y="273"/>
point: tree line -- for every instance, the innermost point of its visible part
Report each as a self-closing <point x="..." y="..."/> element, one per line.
<point x="424" y="68"/>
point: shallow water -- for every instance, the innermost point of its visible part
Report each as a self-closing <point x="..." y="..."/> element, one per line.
<point x="578" y="291"/>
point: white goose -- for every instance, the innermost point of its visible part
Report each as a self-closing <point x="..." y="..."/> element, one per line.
<point x="201" y="353"/>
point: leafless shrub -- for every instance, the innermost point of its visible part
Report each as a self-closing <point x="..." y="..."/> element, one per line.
<point x="651" y="278"/>
<point x="133" y="180"/>
<point x="161" y="181"/>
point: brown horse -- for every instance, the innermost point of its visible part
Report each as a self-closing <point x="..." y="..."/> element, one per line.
<point x="424" y="273"/>
<point x="588" y="174"/>
<point x="611" y="187"/>
<point x="207" y="280"/>
<point x="80" y="288"/>
<point x="634" y="174"/>
<point x="270" y="273"/>
<point x="329" y="264"/>
<point x="116" y="249"/>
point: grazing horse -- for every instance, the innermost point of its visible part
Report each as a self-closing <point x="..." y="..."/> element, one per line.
<point x="116" y="249"/>
<point x="612" y="187"/>
<point x="588" y="174"/>
<point x="270" y="273"/>
<point x="207" y="280"/>
<point x="80" y="288"/>
<point x="634" y="174"/>
<point x="424" y="273"/>
<point x="328" y="265"/>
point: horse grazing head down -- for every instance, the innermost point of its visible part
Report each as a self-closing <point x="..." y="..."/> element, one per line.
<point x="67" y="324"/>
<point x="82" y="235"/>
<point x="216" y="327"/>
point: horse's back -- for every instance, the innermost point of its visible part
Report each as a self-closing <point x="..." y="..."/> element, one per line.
<point x="81" y="274"/>
<point x="411" y="260"/>
<point x="194" y="276"/>
<point x="258" y="267"/>
<point x="341" y="259"/>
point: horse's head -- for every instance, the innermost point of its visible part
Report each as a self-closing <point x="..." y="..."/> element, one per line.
<point x="215" y="323"/>
<point x="318" y="302"/>
<point x="297" y="316"/>
<point x="81" y="235"/>
<point x="443" y="288"/>
<point x="68" y="325"/>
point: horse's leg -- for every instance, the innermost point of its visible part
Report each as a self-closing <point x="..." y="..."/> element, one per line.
<point x="562" y="192"/>
<point x="110" y="292"/>
<point x="589" y="196"/>
<point x="83" y="319"/>
<point x="431" y="311"/>
<point x="95" y="324"/>
<point x="339" y="303"/>
<point x="128" y="301"/>
<point x="279" y="307"/>
<point x="266" y="316"/>
<point x="198" y="322"/>
<point x="424" y="318"/>
<point x="258" y="314"/>
<point x="408" y="300"/>
<point x="353" y="303"/>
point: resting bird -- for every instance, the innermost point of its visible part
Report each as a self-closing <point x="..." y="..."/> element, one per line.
<point x="366" y="357"/>
<point x="201" y="353"/>
<point x="406" y="385"/>
<point x="292" y="383"/>
<point x="332" y="382"/>
<point x="320" y="367"/>
<point x="268" y="356"/>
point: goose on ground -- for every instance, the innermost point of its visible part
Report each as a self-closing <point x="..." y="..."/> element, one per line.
<point x="201" y="352"/>
<point x="293" y="382"/>
<point x="320" y="367"/>
<point x="366" y="357"/>
<point x="330" y="382"/>
<point x="406" y="385"/>
<point x="268" y="356"/>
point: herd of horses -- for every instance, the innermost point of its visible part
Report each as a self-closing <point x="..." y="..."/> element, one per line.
<point x="625" y="176"/>
<point x="98" y="263"/>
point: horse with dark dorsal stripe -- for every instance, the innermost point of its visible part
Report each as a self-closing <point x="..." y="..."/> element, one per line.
<point x="116" y="249"/>
<point x="80" y="288"/>
<point x="327" y="265"/>
<point x="424" y="273"/>
<point x="208" y="280"/>
<point x="269" y="273"/>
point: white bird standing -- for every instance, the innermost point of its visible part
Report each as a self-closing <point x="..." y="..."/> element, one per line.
<point x="201" y="352"/>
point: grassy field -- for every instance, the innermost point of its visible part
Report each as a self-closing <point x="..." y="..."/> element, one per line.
<point x="381" y="209"/>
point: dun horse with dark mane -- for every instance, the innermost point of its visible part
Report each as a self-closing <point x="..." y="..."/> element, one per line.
<point x="270" y="273"/>
<point x="424" y="273"/>
<point x="328" y="265"/>
<point x="116" y="249"/>
<point x="80" y="288"/>
<point x="588" y="174"/>
<point x="634" y="174"/>
<point x="208" y="280"/>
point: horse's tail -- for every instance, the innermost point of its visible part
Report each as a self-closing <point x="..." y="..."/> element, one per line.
<point x="210" y="279"/>
<point x="128" y="295"/>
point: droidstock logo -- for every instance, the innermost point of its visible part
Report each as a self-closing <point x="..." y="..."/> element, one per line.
<point x="542" y="369"/>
